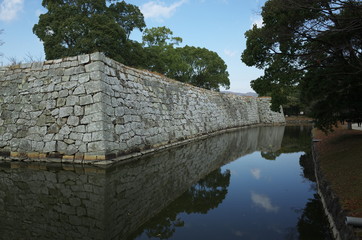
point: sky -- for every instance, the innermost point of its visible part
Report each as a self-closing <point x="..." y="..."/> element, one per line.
<point x="218" y="25"/>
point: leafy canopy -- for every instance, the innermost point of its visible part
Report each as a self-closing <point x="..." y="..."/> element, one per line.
<point x="314" y="48"/>
<point x="197" y="66"/>
<point x="73" y="27"/>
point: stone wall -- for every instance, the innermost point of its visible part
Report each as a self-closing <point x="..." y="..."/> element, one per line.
<point x="90" y="107"/>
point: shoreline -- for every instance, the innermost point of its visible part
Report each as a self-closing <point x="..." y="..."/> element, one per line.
<point x="323" y="153"/>
<point x="105" y="163"/>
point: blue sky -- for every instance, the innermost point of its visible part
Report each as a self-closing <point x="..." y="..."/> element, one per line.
<point x="218" y="25"/>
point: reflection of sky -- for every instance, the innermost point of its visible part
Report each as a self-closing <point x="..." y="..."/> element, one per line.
<point x="256" y="173"/>
<point x="264" y="202"/>
<point x="260" y="203"/>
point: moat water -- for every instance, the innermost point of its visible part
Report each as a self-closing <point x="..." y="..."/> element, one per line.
<point x="255" y="183"/>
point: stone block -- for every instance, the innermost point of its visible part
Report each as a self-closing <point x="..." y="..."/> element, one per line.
<point x="83" y="59"/>
<point x="96" y="146"/>
<point x="73" y="121"/>
<point x="37" y="130"/>
<point x="61" y="147"/>
<point x="50" y="147"/>
<point x="94" y="108"/>
<point x="94" y="127"/>
<point x="72" y="100"/>
<point x="93" y="87"/>
<point x="79" y="90"/>
<point x="88" y="157"/>
<point x="33" y="155"/>
<point x="94" y="66"/>
<point x="97" y="56"/>
<point x="65" y="111"/>
<point x="69" y="85"/>
<point x="86" y="100"/>
<point x="15" y="154"/>
<point x="74" y="70"/>
<point x="83" y="78"/>
<point x="87" y="137"/>
<point x="71" y="150"/>
<point x="97" y="136"/>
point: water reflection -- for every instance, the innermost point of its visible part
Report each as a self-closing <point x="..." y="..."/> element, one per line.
<point x="156" y="196"/>
<point x="294" y="213"/>
<point x="202" y="197"/>
<point x="264" y="202"/>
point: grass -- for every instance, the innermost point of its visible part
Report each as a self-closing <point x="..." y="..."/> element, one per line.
<point x="340" y="157"/>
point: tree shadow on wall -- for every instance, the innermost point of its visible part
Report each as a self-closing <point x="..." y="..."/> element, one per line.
<point x="202" y="197"/>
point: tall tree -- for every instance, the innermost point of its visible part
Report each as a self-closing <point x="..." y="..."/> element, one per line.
<point x="315" y="46"/>
<point x="160" y="37"/>
<point x="159" y="44"/>
<point x="128" y="16"/>
<point x="202" y="68"/>
<point x="197" y="66"/>
<point x="72" y="27"/>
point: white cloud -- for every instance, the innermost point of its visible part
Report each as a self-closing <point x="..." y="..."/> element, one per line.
<point x="158" y="10"/>
<point x="256" y="173"/>
<point x="230" y="53"/>
<point x="256" y="20"/>
<point x="264" y="202"/>
<point x="10" y="8"/>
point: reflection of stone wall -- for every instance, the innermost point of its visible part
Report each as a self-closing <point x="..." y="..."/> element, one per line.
<point x="42" y="202"/>
<point x="49" y="202"/>
<point x="92" y="107"/>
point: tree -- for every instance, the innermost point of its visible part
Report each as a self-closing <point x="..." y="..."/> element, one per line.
<point x="73" y="27"/>
<point x="159" y="49"/>
<point x="197" y="66"/>
<point x="315" y="46"/>
<point x="202" y="68"/>
<point x="160" y="37"/>
<point x="128" y="16"/>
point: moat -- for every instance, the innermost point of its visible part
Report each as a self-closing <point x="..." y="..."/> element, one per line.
<point x="254" y="183"/>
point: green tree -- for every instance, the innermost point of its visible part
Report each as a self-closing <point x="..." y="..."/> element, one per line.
<point x="202" y="68"/>
<point x="159" y="44"/>
<point x="159" y="37"/>
<point x="73" y="27"/>
<point x="128" y="16"/>
<point x="197" y="66"/>
<point x="315" y="46"/>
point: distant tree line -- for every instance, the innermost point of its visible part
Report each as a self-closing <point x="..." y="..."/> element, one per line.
<point x="73" y="27"/>
<point x="311" y="51"/>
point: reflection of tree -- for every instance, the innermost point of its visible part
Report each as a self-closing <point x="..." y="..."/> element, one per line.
<point x="270" y="155"/>
<point x="313" y="224"/>
<point x="308" y="166"/>
<point x="295" y="139"/>
<point x="205" y="195"/>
